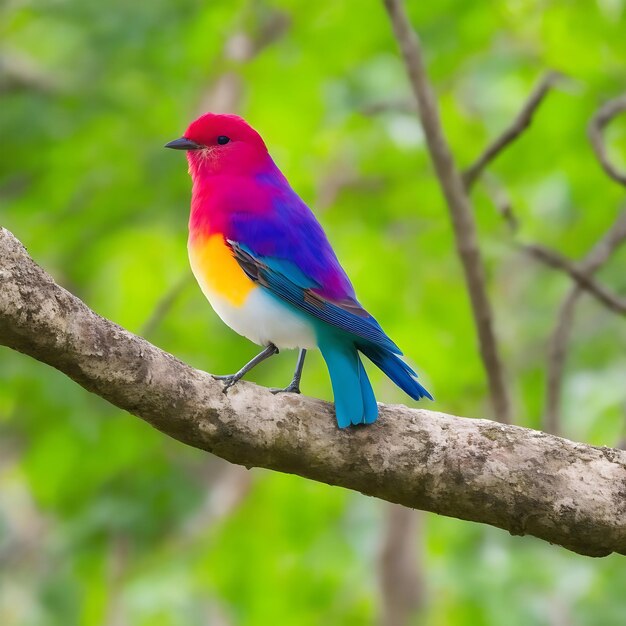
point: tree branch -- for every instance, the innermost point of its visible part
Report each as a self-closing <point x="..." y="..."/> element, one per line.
<point x="524" y="481"/>
<point x="501" y="201"/>
<point x="164" y="305"/>
<point x="521" y="122"/>
<point x="459" y="207"/>
<point x="401" y="569"/>
<point x="20" y="73"/>
<point x="581" y="273"/>
<point x="557" y="346"/>
<point x="595" y="132"/>
<point x="557" y="353"/>
<point x="226" y="92"/>
<point x="596" y="258"/>
<point x="583" y="278"/>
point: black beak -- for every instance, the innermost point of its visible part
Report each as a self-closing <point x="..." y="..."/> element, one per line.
<point x="183" y="144"/>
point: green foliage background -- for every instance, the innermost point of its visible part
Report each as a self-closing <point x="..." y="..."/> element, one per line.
<point x="106" y="521"/>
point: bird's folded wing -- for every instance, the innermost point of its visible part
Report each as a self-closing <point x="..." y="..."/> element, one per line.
<point x="288" y="282"/>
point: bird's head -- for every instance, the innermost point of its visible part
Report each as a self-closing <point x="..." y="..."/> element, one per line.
<point x="221" y="144"/>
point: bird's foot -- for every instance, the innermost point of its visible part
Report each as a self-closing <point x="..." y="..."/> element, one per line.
<point x="292" y="388"/>
<point x="229" y="381"/>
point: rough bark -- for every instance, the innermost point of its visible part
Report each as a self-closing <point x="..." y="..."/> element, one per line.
<point x="524" y="481"/>
<point x="522" y="122"/>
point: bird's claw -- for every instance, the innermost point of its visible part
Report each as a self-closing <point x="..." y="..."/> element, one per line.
<point x="229" y="381"/>
<point x="292" y="388"/>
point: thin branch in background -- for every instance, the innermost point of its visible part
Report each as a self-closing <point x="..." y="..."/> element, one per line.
<point x="595" y="132"/>
<point x="25" y="528"/>
<point x="217" y="613"/>
<point x="119" y="555"/>
<point x="14" y="185"/>
<point x="614" y="237"/>
<point x="164" y="305"/>
<point x="341" y="178"/>
<point x="581" y="273"/>
<point x="228" y="485"/>
<point x="557" y="354"/>
<point x="559" y="610"/>
<point x="226" y="92"/>
<point x="587" y="282"/>
<point x="400" y="567"/>
<point x="274" y="25"/>
<point x="501" y="201"/>
<point x="521" y="122"/>
<point x="557" y="344"/>
<point x="606" y="246"/>
<point x="19" y="73"/>
<point x="459" y="207"/>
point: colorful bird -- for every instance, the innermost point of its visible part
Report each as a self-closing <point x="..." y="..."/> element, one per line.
<point x="264" y="263"/>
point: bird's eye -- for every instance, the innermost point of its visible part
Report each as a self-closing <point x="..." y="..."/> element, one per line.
<point x="223" y="139"/>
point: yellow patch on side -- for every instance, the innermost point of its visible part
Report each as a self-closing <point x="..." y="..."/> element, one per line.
<point x="217" y="271"/>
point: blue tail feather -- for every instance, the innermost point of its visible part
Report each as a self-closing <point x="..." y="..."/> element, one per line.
<point x="355" y="402"/>
<point x="398" y="371"/>
<point x="354" y="398"/>
<point x="370" y="407"/>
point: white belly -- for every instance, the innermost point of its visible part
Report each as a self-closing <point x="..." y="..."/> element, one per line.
<point x="247" y="308"/>
<point x="263" y="320"/>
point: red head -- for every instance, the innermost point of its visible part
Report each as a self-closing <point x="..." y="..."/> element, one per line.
<point x="222" y="144"/>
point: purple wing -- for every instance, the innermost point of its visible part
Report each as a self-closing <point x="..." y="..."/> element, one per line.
<point x="283" y="227"/>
